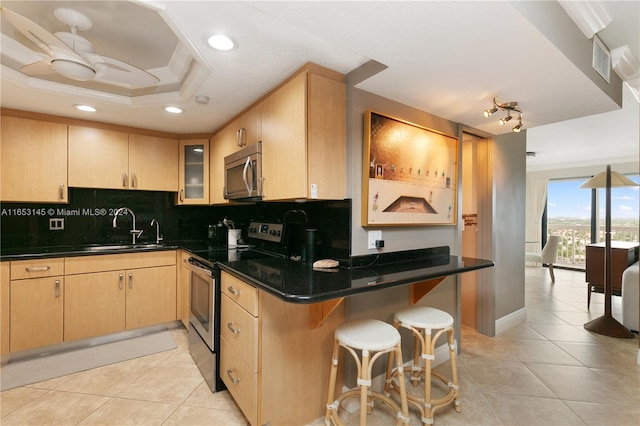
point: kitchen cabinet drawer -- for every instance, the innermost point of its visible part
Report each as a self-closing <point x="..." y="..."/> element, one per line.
<point x="36" y="268"/>
<point x="115" y="262"/>
<point x="240" y="292"/>
<point x="241" y="382"/>
<point x="240" y="329"/>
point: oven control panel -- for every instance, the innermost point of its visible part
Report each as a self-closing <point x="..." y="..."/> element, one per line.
<point x="273" y="232"/>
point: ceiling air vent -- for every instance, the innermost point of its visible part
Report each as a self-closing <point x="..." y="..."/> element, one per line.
<point x="601" y="59"/>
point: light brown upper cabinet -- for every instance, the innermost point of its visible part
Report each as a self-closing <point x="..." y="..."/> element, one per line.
<point x="244" y="130"/>
<point x="111" y="159"/>
<point x="194" y="172"/>
<point x="153" y="163"/>
<point x="304" y="138"/>
<point x="34" y="161"/>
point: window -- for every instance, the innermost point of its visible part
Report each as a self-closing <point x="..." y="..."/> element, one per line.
<point x="570" y="215"/>
<point x="624" y="212"/>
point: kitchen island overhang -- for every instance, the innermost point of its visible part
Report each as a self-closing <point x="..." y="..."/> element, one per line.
<point x="298" y="282"/>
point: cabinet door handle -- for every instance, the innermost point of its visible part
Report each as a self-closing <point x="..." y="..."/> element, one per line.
<point x="37" y="268"/>
<point x="120" y="280"/>
<point x="57" y="288"/>
<point x="232" y="328"/>
<point x="61" y="192"/>
<point x="234" y="380"/>
<point x="130" y="280"/>
<point x="241" y="137"/>
<point x="134" y="180"/>
<point x="124" y="180"/>
<point x="233" y="291"/>
<point x="182" y="195"/>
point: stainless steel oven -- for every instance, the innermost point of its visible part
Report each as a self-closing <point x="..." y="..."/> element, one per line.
<point x="204" y="319"/>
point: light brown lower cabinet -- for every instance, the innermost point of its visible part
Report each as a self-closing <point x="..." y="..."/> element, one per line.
<point x="151" y="296"/>
<point x="108" y="293"/>
<point x="5" y="303"/>
<point x="95" y="296"/>
<point x="275" y="367"/>
<point x="36" y="312"/>
<point x="94" y="304"/>
<point x="36" y="303"/>
<point x="183" y="302"/>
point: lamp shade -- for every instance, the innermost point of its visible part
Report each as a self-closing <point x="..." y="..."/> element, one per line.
<point x="600" y="181"/>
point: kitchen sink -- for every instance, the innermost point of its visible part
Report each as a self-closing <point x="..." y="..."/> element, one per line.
<point x="112" y="247"/>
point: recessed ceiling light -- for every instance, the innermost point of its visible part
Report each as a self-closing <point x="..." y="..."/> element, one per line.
<point x="173" y="109"/>
<point x="85" y="108"/>
<point x="220" y="42"/>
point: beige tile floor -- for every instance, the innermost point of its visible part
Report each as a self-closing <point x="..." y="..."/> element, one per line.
<point x="547" y="370"/>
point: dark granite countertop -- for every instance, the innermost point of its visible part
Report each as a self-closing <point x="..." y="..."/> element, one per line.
<point x="299" y="282"/>
<point x="81" y="250"/>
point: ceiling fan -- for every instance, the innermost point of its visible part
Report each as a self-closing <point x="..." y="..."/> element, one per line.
<point x="72" y="56"/>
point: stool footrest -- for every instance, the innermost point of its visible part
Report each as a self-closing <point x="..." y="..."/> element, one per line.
<point x="355" y="393"/>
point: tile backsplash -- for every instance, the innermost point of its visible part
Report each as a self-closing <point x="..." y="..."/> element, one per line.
<point x="88" y="219"/>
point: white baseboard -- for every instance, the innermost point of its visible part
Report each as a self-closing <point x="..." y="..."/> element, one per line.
<point x="508" y="321"/>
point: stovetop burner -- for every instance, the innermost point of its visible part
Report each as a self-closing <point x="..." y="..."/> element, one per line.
<point x="229" y="255"/>
<point x="265" y="240"/>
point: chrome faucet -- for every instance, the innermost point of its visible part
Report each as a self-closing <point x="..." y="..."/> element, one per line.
<point x="135" y="233"/>
<point x="158" y="236"/>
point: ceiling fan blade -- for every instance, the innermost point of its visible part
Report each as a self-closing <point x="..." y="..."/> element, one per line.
<point x="34" y="32"/>
<point x="120" y="72"/>
<point x="38" y="68"/>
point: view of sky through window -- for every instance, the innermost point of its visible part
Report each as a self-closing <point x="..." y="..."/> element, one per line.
<point x="567" y="200"/>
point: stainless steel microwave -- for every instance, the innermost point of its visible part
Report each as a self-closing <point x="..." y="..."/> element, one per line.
<point x="243" y="173"/>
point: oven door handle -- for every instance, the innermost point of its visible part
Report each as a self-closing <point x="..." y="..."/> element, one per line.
<point x="197" y="268"/>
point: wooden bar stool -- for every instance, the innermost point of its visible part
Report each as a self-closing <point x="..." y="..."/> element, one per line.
<point x="422" y="320"/>
<point x="373" y="338"/>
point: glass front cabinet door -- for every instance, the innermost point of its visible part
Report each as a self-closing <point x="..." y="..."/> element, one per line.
<point x="194" y="172"/>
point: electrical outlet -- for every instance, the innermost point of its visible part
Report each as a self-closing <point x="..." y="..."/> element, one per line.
<point x="373" y="236"/>
<point x="56" y="224"/>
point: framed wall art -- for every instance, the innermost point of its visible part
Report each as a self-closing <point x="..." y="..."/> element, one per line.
<point x="409" y="174"/>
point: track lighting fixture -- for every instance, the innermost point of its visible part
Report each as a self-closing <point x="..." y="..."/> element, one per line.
<point x="517" y="127"/>
<point x="488" y="112"/>
<point x="504" y="121"/>
<point x="505" y="106"/>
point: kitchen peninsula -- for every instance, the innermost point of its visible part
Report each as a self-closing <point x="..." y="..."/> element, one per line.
<point x="278" y="318"/>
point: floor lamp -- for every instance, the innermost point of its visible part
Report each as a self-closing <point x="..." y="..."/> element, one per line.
<point x="607" y="324"/>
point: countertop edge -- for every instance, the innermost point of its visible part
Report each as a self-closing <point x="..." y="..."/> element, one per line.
<point x="310" y="299"/>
